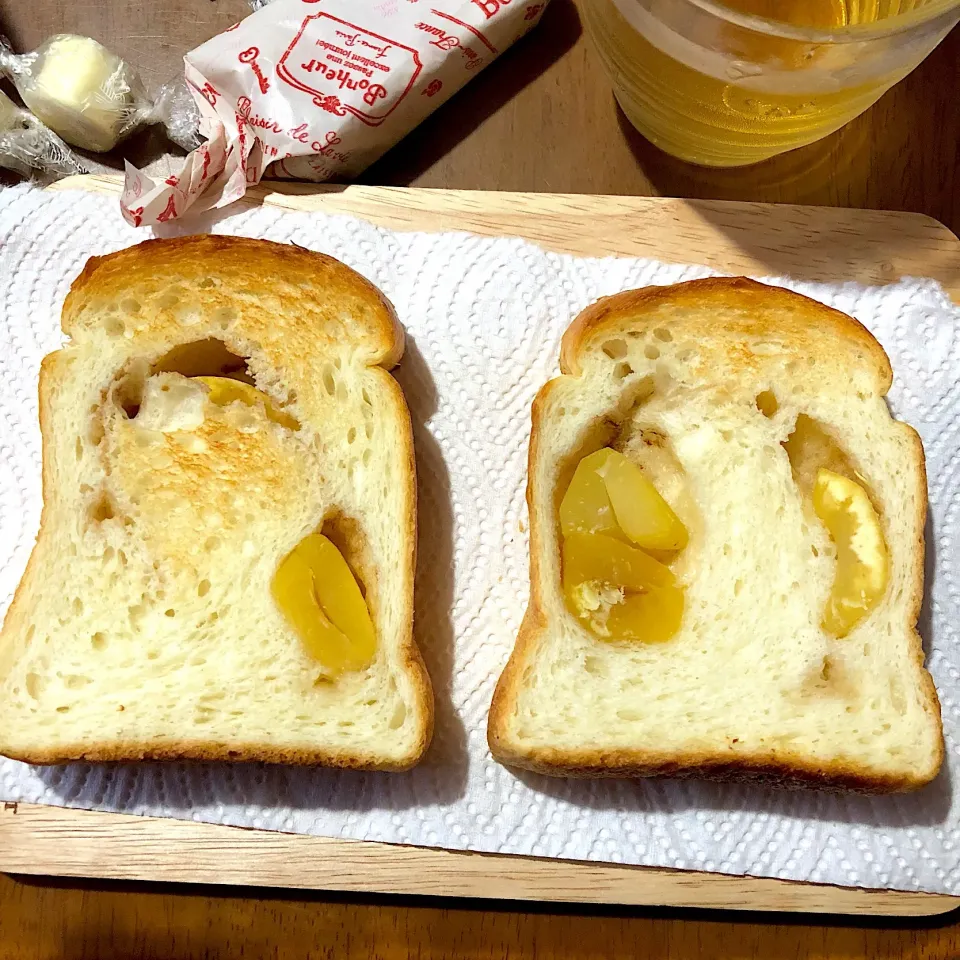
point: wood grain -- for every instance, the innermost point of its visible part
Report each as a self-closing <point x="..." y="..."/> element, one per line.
<point x="79" y="843"/>
<point x="812" y="243"/>
<point x="53" y="920"/>
<point x="542" y="118"/>
<point x="807" y="242"/>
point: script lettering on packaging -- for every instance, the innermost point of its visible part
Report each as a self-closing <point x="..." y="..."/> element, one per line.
<point x="491" y="8"/>
<point x="313" y="89"/>
<point x="347" y="69"/>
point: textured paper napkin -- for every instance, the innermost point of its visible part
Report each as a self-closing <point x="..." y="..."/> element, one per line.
<point x="484" y="318"/>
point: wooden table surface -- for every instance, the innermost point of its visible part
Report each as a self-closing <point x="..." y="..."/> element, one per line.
<point x="543" y="119"/>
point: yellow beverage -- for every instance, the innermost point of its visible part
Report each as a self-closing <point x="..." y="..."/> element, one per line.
<point x="734" y="83"/>
<point x="823" y="14"/>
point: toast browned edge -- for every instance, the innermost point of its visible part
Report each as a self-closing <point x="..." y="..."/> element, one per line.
<point x="260" y="257"/>
<point x="778" y="767"/>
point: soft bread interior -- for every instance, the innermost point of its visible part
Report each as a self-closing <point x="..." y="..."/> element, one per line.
<point x="702" y="388"/>
<point x="145" y="623"/>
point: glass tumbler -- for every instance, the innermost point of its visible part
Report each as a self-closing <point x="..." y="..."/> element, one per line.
<point x="728" y="84"/>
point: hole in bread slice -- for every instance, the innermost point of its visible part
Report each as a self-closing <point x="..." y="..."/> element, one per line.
<point x="625" y="429"/>
<point x="209" y="360"/>
<point x="811" y="447"/>
<point x="767" y="404"/>
<point x="103" y="508"/>
<point x="204" y="358"/>
<point x="348" y="537"/>
<point x="602" y="431"/>
<point x="127" y="390"/>
<point x="836" y="496"/>
<point x="615" y="349"/>
<point x="201" y="358"/>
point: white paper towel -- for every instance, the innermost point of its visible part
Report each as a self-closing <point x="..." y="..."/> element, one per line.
<point x="484" y="319"/>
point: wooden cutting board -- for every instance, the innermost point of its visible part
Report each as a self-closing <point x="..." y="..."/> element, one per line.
<point x="809" y="243"/>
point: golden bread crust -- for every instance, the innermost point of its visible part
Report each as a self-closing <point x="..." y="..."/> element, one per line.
<point x="235" y="267"/>
<point x="759" y="311"/>
<point x="242" y="264"/>
<point x="756" y="309"/>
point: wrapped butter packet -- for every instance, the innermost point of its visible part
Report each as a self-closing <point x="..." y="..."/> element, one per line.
<point x="91" y="97"/>
<point x="28" y="148"/>
<point x="316" y="91"/>
<point x="78" y="88"/>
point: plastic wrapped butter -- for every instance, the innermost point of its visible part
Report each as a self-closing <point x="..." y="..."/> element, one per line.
<point x="89" y="96"/>
<point x="9" y="113"/>
<point x="27" y="147"/>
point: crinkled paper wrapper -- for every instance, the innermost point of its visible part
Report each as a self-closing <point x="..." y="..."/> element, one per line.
<point x="319" y="90"/>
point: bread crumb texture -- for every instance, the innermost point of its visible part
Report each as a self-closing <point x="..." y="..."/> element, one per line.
<point x="701" y="384"/>
<point x="144" y="625"/>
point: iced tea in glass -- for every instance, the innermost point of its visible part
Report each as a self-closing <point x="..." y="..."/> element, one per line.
<point x="732" y="83"/>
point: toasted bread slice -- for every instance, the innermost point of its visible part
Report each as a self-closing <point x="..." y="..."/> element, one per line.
<point x="701" y="384"/>
<point x="144" y="626"/>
